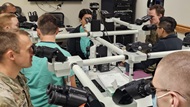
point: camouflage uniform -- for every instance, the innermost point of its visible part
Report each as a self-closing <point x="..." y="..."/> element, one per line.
<point x="14" y="92"/>
<point x="152" y="38"/>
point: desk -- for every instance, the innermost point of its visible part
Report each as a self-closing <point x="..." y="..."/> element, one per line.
<point x="85" y="80"/>
<point x="144" y="102"/>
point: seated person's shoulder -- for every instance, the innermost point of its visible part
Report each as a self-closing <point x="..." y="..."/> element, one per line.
<point x="6" y="97"/>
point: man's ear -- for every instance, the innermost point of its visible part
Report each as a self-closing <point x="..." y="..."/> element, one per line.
<point x="10" y="55"/>
<point x="7" y="27"/>
<point x="160" y="15"/>
<point x="57" y="31"/>
<point x="39" y="33"/>
<point x="163" y="31"/>
<point x="175" y="99"/>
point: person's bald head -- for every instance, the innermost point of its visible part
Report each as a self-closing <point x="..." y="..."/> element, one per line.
<point x="173" y="73"/>
<point x="8" y="8"/>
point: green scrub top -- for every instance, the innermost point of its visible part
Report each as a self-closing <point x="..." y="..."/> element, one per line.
<point x="39" y="77"/>
<point x="84" y="42"/>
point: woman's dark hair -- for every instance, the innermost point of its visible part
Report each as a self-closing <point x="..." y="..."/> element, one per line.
<point x="83" y="12"/>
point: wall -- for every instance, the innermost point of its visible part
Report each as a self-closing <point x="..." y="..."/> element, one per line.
<point x="70" y="9"/>
<point x="179" y="9"/>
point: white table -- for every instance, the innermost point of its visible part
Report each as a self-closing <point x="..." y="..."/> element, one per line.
<point x="144" y="102"/>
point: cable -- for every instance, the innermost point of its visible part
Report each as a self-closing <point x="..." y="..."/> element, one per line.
<point x="59" y="5"/>
<point x="117" y="67"/>
<point x="112" y="68"/>
<point x="45" y="10"/>
<point x="104" y="27"/>
<point x="40" y="7"/>
<point x="52" y="6"/>
<point x="120" y="69"/>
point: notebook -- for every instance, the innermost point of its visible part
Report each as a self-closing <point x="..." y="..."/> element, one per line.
<point x="108" y="79"/>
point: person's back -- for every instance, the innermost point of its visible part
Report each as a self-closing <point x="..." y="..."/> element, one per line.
<point x="171" y="42"/>
<point x="39" y="76"/>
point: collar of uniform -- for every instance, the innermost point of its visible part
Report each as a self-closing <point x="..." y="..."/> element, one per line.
<point x="11" y="83"/>
<point x="170" y="36"/>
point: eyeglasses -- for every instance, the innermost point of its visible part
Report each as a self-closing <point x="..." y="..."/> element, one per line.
<point x="166" y="90"/>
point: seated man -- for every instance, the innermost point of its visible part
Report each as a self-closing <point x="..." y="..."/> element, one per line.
<point x="77" y="46"/>
<point x="39" y="76"/>
<point x="156" y="11"/>
<point x="8" y="21"/>
<point x="168" y="40"/>
<point x="171" y="81"/>
<point x="15" y="54"/>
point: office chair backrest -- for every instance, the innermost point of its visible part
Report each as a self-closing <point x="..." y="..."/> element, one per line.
<point x="18" y="10"/>
<point x="60" y="18"/>
<point x="0" y="9"/>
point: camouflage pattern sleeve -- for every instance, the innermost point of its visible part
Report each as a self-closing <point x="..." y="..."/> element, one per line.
<point x="6" y="102"/>
<point x="26" y="88"/>
<point x="152" y="38"/>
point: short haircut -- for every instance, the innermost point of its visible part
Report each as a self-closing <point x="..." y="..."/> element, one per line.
<point x="173" y="72"/>
<point x="83" y="12"/>
<point x="5" y="5"/>
<point x="47" y="24"/>
<point x="9" y="40"/>
<point x="168" y="24"/>
<point x="6" y="19"/>
<point x="159" y="9"/>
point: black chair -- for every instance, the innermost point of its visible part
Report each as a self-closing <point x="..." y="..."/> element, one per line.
<point x="60" y="18"/>
<point x="20" y="16"/>
<point x="0" y="9"/>
<point x="18" y="10"/>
